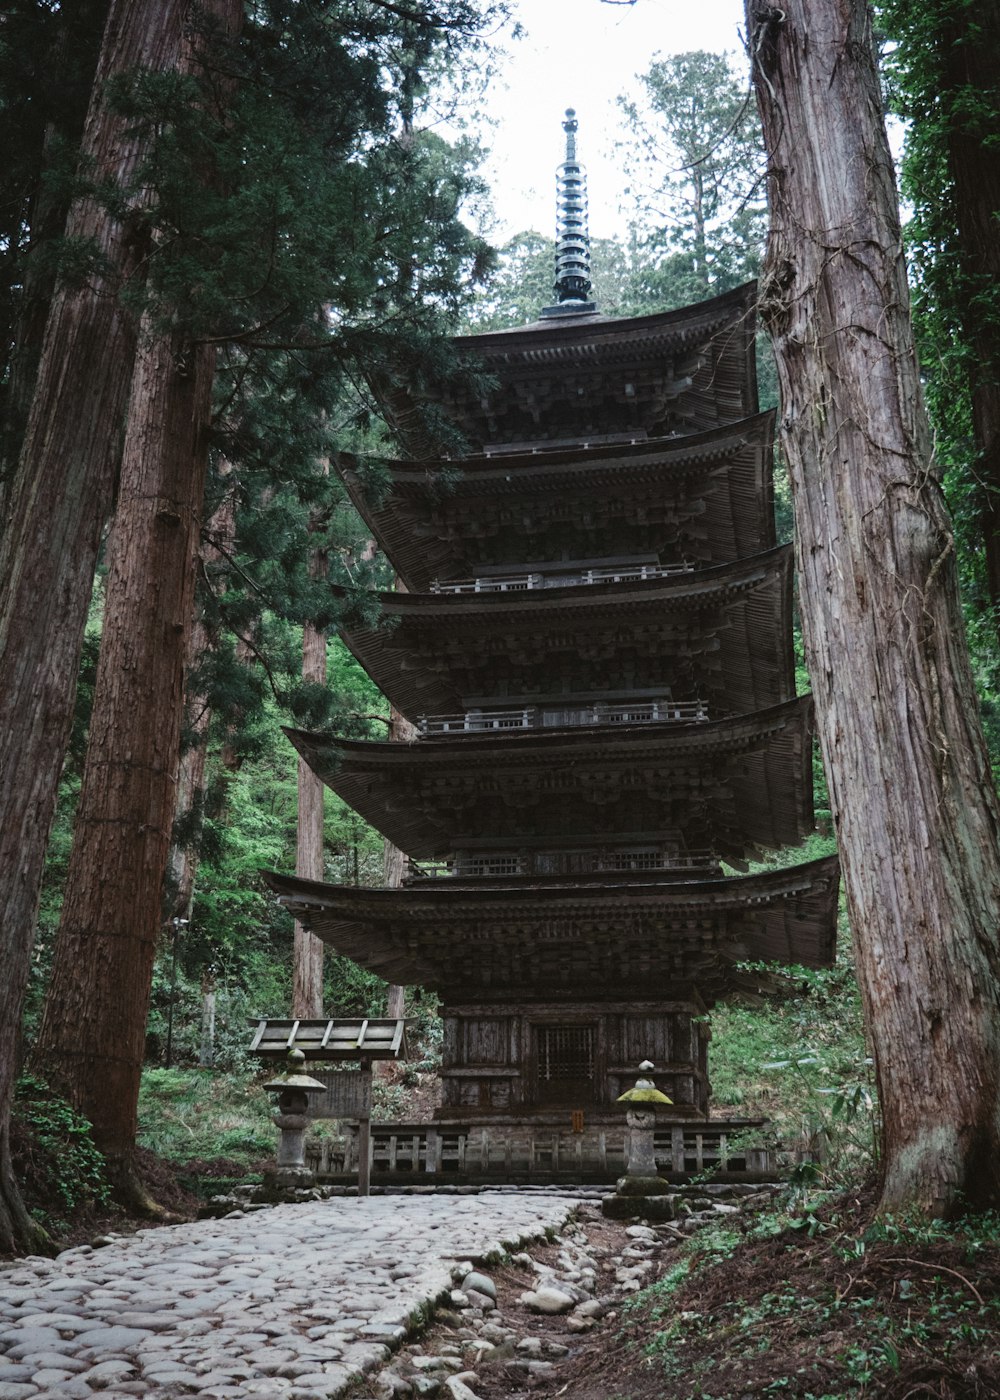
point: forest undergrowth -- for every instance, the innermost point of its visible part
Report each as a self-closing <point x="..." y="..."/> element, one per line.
<point x="817" y="1300"/>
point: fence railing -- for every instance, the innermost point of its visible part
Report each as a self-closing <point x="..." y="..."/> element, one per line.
<point x="727" y="1149"/>
<point x="559" y="863"/>
<point x="520" y="583"/>
<point x="540" y="717"/>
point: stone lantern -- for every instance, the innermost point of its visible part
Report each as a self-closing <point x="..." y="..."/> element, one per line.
<point x="293" y="1089"/>
<point x="641" y="1178"/>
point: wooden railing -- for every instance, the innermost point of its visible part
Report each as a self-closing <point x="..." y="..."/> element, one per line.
<point x="520" y="583"/>
<point x="559" y="863"/>
<point x="414" y="1150"/>
<point x="540" y="717"/>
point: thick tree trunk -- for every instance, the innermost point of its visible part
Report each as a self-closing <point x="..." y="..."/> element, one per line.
<point x="393" y="859"/>
<point x="910" y="784"/>
<point x="307" y="970"/>
<point x="970" y="44"/>
<point x="206" y="1048"/>
<point x="59" y="503"/>
<point x="93" y="1028"/>
<point x="218" y="539"/>
<point x="70" y="66"/>
<point x="182" y="860"/>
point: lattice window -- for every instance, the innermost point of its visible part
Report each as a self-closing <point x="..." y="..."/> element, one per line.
<point x="492" y="865"/>
<point x="641" y="858"/>
<point x="565" y="1054"/>
<point x="636" y="860"/>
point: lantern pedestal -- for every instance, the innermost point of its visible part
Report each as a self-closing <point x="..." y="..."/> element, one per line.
<point x="291" y="1117"/>
<point x="641" y="1191"/>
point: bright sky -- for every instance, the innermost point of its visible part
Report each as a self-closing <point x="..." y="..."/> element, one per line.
<point x="582" y="54"/>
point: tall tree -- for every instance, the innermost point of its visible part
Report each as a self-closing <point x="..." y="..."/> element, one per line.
<point x="944" y="79"/>
<point x="916" y="813"/>
<point x="307" y="966"/>
<point x="93" y="1030"/>
<point x="209" y="247"/>
<point x="48" y="54"/>
<point x="694" y="160"/>
<point x="60" y="500"/>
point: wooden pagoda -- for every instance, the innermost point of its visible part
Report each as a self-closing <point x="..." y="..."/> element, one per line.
<point x="594" y="643"/>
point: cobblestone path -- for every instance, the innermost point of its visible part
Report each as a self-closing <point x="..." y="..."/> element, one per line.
<point x="294" y="1302"/>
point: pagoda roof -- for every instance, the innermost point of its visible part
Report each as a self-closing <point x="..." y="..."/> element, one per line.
<point x="732" y="787"/>
<point x="707" y="496"/>
<point x="573" y="377"/>
<point x="480" y="941"/>
<point x="721" y="635"/>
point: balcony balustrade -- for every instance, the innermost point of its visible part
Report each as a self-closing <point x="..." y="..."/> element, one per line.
<point x="541" y="717"/>
<point x="507" y="863"/>
<point x="522" y="583"/>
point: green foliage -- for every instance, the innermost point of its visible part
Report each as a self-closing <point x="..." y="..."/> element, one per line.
<point x="56" y="1156"/>
<point x="943" y="78"/>
<point x="800" y="1059"/>
<point x="864" y="1325"/>
<point x="694" y="158"/>
<point x="187" y="1115"/>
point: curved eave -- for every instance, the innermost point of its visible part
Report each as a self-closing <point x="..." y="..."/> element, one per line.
<point x="694" y="365"/>
<point x="751" y="778"/>
<point x="435" y="937"/>
<point x="730" y="465"/>
<point x="426" y="657"/>
<point x="682" y="326"/>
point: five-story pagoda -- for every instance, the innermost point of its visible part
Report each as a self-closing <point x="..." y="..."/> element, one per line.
<point x="595" y="644"/>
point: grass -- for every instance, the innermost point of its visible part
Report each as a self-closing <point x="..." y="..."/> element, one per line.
<point x="199" y="1115"/>
<point x="822" y="1302"/>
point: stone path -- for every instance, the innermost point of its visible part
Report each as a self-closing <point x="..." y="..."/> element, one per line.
<point x="293" y="1302"/>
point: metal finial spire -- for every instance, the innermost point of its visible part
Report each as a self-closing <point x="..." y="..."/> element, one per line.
<point x="572" y="284"/>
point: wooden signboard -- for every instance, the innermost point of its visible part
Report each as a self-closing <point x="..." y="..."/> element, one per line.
<point x="348" y="1094"/>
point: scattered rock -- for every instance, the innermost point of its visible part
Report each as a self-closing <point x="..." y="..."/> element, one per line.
<point x="479" y="1283"/>
<point x="390" y="1385"/>
<point x="457" y="1389"/>
<point x="548" y="1300"/>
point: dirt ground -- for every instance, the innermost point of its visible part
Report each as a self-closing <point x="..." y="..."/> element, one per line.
<point x="838" y="1308"/>
<point x="821" y="1313"/>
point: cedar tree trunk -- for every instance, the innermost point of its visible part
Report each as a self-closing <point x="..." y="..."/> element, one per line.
<point x="970" y="43"/>
<point x="401" y="731"/>
<point x="218" y="539"/>
<point x="60" y="501"/>
<point x="307" y="965"/>
<point x="92" y="1036"/>
<point x="910" y="784"/>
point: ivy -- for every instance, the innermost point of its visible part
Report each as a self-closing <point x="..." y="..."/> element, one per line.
<point x="57" y="1156"/>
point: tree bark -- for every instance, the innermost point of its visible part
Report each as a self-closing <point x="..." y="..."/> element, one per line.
<point x="307" y="970"/>
<point x="910" y="783"/>
<point x="63" y="99"/>
<point x="219" y="537"/>
<point x="971" y="52"/>
<point x="206" y="1047"/>
<point x="92" y="1035"/>
<point x="393" y="859"/>
<point x="60" y="500"/>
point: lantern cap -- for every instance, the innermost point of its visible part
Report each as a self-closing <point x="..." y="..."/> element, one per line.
<point x="645" y="1091"/>
<point x="293" y="1078"/>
